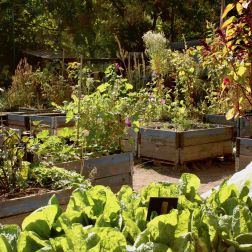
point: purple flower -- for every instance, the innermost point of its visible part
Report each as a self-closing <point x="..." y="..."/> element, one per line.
<point x="162" y="101"/>
<point x="127" y="121"/>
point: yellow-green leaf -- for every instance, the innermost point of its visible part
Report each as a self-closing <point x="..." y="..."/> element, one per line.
<point x="230" y="114"/>
<point x="227" y="9"/>
<point x="228" y="22"/>
<point x="241" y="70"/>
<point x="239" y="8"/>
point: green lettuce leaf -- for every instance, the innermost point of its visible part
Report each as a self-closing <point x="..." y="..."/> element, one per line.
<point x="8" y="237"/>
<point x="29" y="241"/>
<point x="41" y="220"/>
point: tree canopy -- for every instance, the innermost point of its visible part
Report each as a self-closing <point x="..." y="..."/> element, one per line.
<point x="89" y="26"/>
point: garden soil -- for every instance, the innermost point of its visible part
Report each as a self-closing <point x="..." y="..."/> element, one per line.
<point x="210" y="172"/>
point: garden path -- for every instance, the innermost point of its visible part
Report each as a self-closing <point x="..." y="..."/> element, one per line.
<point x="210" y="172"/>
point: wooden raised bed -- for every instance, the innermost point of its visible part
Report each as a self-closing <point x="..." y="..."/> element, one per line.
<point x="52" y="121"/>
<point x="243" y="153"/>
<point x="33" y="110"/>
<point x="242" y="126"/>
<point x="129" y="142"/>
<point x="13" y="211"/>
<point x="19" y="121"/>
<point x="185" y="146"/>
<point x="113" y="171"/>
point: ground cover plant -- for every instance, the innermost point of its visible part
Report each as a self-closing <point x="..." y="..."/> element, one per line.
<point x="98" y="220"/>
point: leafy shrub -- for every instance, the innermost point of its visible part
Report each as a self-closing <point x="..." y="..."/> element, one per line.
<point x="188" y="89"/>
<point x="36" y="88"/>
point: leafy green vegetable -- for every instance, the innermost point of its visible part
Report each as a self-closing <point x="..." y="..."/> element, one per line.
<point x="41" y="220"/>
<point x="98" y="220"/>
<point x="8" y="237"/>
<point x="56" y="178"/>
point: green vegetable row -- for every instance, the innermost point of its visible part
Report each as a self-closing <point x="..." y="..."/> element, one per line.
<point x="98" y="220"/>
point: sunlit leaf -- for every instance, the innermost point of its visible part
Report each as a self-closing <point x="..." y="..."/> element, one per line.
<point x="230" y="114"/>
<point x="227" y="10"/>
<point x="228" y="22"/>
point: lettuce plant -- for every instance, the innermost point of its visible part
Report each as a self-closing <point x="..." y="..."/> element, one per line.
<point x="96" y="219"/>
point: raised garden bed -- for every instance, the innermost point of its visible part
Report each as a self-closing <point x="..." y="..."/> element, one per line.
<point x="13" y="211"/>
<point x="243" y="153"/>
<point x="129" y="142"/>
<point x="33" y="110"/>
<point x="179" y="147"/>
<point x="51" y="121"/>
<point x="113" y="171"/>
<point x="242" y="126"/>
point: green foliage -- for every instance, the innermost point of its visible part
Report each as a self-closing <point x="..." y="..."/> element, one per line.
<point x="16" y="173"/>
<point x="36" y="88"/>
<point x="100" y="115"/>
<point x="50" y="149"/>
<point x="230" y="52"/>
<point x="56" y="178"/>
<point x="8" y="237"/>
<point x="181" y="74"/>
<point x="12" y="169"/>
<point x="98" y="220"/>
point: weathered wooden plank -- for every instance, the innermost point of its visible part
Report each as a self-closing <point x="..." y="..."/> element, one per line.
<point x="129" y="142"/>
<point x="201" y="136"/>
<point x="108" y="165"/>
<point x="159" y="151"/>
<point x="53" y="120"/>
<point x="244" y="146"/>
<point x="44" y="120"/>
<point x="115" y="182"/>
<point x="74" y="165"/>
<point x="245" y="126"/>
<point x="17" y="120"/>
<point x="103" y="166"/>
<point x="242" y="161"/>
<point x="207" y="150"/>
<point x="157" y="136"/>
<point x="30" y="203"/>
<point x="219" y="119"/>
<point x="18" y="219"/>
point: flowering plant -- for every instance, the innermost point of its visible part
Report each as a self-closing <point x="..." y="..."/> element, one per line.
<point x="233" y="57"/>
